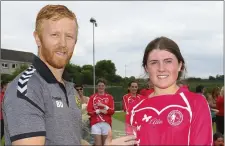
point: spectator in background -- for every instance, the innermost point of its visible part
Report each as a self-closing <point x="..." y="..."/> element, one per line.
<point x="183" y="84"/>
<point x="132" y="95"/>
<point x="3" y="88"/>
<point x="100" y="108"/>
<point x="212" y="102"/>
<point x="212" y="110"/>
<point x="220" y="114"/>
<point x="82" y="99"/>
<point x="82" y="102"/>
<point x="200" y="89"/>
<point x="148" y="90"/>
<point x="218" y="139"/>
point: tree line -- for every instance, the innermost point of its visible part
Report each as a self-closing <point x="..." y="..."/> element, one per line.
<point x="103" y="69"/>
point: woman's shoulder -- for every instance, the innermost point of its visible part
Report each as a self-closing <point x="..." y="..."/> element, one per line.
<point x="195" y="98"/>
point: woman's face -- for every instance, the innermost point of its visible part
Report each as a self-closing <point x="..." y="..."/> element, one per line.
<point x="80" y="90"/>
<point x="4" y="88"/>
<point x="162" y="68"/>
<point x="101" y="87"/>
<point x="133" y="88"/>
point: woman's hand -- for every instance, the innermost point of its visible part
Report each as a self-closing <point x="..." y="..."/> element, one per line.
<point x="125" y="140"/>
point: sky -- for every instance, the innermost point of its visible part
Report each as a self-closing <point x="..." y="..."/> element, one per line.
<point x="124" y="30"/>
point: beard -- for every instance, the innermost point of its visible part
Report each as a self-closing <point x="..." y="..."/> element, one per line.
<point x="51" y="57"/>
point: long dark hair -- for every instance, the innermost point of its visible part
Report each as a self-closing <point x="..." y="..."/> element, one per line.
<point x="164" y="43"/>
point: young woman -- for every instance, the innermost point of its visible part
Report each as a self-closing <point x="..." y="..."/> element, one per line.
<point x="132" y="95"/>
<point x="100" y="108"/>
<point x="171" y="115"/>
<point x="82" y="102"/>
<point x="3" y="88"/>
<point x="148" y="90"/>
<point x="212" y="102"/>
<point x="81" y="99"/>
<point x="220" y="114"/>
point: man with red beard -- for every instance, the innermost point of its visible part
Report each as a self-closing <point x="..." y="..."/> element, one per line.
<point x="39" y="107"/>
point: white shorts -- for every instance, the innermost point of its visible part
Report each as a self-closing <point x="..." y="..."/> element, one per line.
<point x="101" y="128"/>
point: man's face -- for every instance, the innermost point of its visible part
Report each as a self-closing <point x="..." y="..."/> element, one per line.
<point x="219" y="142"/>
<point x="57" y="41"/>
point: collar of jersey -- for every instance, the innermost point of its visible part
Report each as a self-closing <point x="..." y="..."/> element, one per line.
<point x="44" y="71"/>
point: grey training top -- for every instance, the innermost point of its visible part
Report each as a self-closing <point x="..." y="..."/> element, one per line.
<point x="36" y="104"/>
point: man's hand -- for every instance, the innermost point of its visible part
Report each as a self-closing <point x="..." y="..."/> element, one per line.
<point x="125" y="140"/>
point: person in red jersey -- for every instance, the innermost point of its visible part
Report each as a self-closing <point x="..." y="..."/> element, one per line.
<point x="171" y="115"/>
<point x="148" y="90"/>
<point x="3" y="88"/>
<point x="100" y="108"/>
<point x="132" y="95"/>
<point x="220" y="114"/>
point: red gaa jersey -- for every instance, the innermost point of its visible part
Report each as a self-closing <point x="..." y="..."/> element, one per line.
<point x="179" y="119"/>
<point x="1" y="100"/>
<point x="146" y="92"/>
<point x="220" y="105"/>
<point x="92" y="106"/>
<point x="128" y="99"/>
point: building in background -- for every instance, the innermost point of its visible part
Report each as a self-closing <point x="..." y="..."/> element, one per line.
<point x="12" y="59"/>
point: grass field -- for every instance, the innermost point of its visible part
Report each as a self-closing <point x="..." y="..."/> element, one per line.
<point x="119" y="116"/>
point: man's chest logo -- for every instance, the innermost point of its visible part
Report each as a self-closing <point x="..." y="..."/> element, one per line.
<point x="58" y="102"/>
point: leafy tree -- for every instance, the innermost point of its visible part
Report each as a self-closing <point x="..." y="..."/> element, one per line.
<point x="73" y="72"/>
<point x="5" y="77"/>
<point x="106" y="69"/>
<point x="10" y="77"/>
<point x="117" y="80"/>
<point x="219" y="77"/>
<point x="87" y="77"/>
<point x="212" y="78"/>
<point x="87" y="67"/>
<point x="19" y="70"/>
<point x="87" y="74"/>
